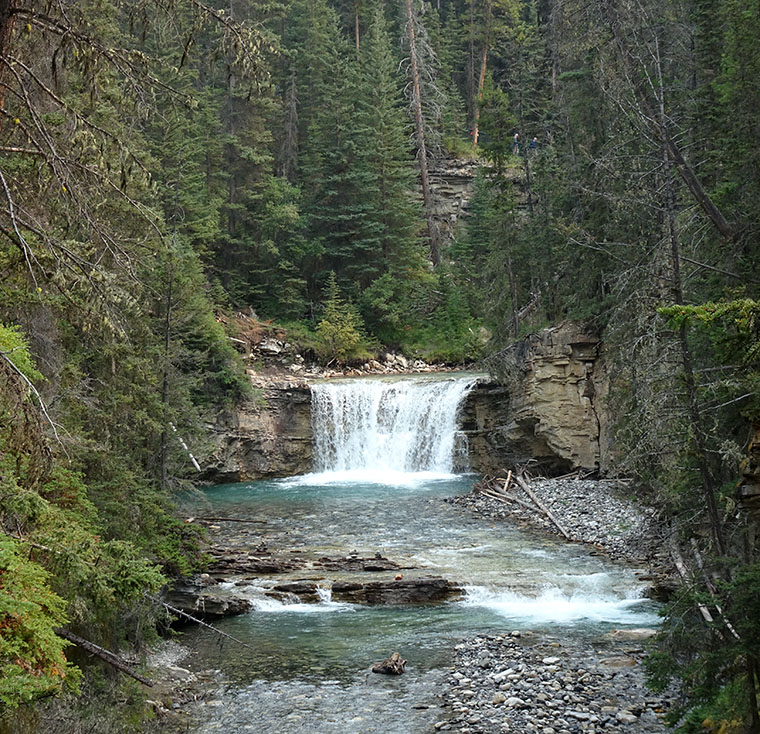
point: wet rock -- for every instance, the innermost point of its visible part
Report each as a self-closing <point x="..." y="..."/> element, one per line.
<point x="356" y="563"/>
<point x="305" y="590"/>
<point x="202" y="602"/>
<point x="228" y="562"/>
<point x="405" y="591"/>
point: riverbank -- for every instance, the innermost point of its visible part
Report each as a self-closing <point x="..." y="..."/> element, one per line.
<point x="520" y="682"/>
<point x="601" y="513"/>
<point x="523" y="682"/>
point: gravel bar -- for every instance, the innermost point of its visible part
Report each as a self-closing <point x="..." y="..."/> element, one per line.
<point x="521" y="682"/>
<point x="597" y="512"/>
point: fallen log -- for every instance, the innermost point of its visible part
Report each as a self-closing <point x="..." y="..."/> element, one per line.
<point x="508" y="498"/>
<point x="394" y="665"/>
<point x="526" y="487"/>
<point x="106" y="655"/>
<point x="225" y="519"/>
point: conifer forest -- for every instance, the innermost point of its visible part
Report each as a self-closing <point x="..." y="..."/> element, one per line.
<point x="170" y="169"/>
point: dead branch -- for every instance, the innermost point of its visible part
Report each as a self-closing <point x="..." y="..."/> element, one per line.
<point x="174" y="610"/>
<point x="106" y="655"/>
<point x="526" y="488"/>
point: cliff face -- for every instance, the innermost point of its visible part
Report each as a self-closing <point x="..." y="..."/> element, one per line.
<point x="546" y="411"/>
<point x="269" y="436"/>
<point x="452" y="186"/>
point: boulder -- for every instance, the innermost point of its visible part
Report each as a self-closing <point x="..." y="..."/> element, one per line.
<point x="203" y="602"/>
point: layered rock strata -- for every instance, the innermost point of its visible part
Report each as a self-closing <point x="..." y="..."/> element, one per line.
<point x="547" y="410"/>
<point x="544" y="408"/>
<point x="267" y="436"/>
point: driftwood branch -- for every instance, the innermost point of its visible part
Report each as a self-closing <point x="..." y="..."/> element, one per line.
<point x="394" y="665"/>
<point x="526" y="488"/>
<point x="225" y="519"/>
<point x="105" y="655"/>
<point x="508" y="498"/>
<point x="498" y="489"/>
<point x="174" y="610"/>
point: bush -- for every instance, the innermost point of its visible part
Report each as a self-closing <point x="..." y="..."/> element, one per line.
<point x="340" y="333"/>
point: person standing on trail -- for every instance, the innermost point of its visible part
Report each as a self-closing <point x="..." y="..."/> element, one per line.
<point x="516" y="144"/>
<point x="534" y="144"/>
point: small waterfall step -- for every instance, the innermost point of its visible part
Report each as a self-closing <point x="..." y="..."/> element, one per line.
<point x="390" y="425"/>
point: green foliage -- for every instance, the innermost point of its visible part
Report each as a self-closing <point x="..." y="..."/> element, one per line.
<point x="711" y="664"/>
<point x="15" y="347"/>
<point x="497" y="123"/>
<point x="339" y="332"/>
<point x="733" y="325"/>
<point x="32" y="658"/>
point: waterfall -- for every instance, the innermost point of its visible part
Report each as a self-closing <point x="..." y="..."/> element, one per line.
<point x="389" y="425"/>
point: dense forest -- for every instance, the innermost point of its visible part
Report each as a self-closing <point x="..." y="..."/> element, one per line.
<point x="166" y="162"/>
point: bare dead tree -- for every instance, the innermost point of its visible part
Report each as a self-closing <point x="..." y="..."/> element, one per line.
<point x="426" y="101"/>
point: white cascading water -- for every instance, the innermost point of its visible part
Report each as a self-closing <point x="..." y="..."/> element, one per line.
<point x="398" y="426"/>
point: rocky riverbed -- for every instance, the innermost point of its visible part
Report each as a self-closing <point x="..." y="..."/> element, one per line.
<point x="521" y="683"/>
<point x="601" y="513"/>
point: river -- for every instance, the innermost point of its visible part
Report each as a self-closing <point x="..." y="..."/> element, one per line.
<point x="387" y="455"/>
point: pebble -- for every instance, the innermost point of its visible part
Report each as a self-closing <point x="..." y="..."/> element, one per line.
<point x="580" y="697"/>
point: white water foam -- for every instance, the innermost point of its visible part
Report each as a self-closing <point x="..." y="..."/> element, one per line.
<point x="353" y="477"/>
<point x="385" y="429"/>
<point x="274" y="606"/>
<point x="558" y="606"/>
<point x="325" y="604"/>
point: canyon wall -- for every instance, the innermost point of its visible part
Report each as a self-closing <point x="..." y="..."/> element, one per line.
<point x="267" y="436"/>
<point x="546" y="408"/>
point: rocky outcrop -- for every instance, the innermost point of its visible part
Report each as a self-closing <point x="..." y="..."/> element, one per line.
<point x="267" y="436"/>
<point x="452" y="185"/>
<point x="199" y="598"/>
<point x="544" y="409"/>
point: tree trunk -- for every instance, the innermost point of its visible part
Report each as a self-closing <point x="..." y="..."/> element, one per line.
<point x="6" y="29"/>
<point x="419" y="125"/>
<point x="164" y="460"/>
<point x="513" y="297"/>
<point x="356" y="24"/>
<point x="482" y="76"/>
<point x="695" y="417"/>
<point x="103" y="654"/>
<point x="6" y="24"/>
<point x="754" y="720"/>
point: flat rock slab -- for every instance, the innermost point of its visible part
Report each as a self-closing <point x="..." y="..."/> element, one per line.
<point x="357" y="563"/>
<point x="199" y="602"/>
<point x="399" y="591"/>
